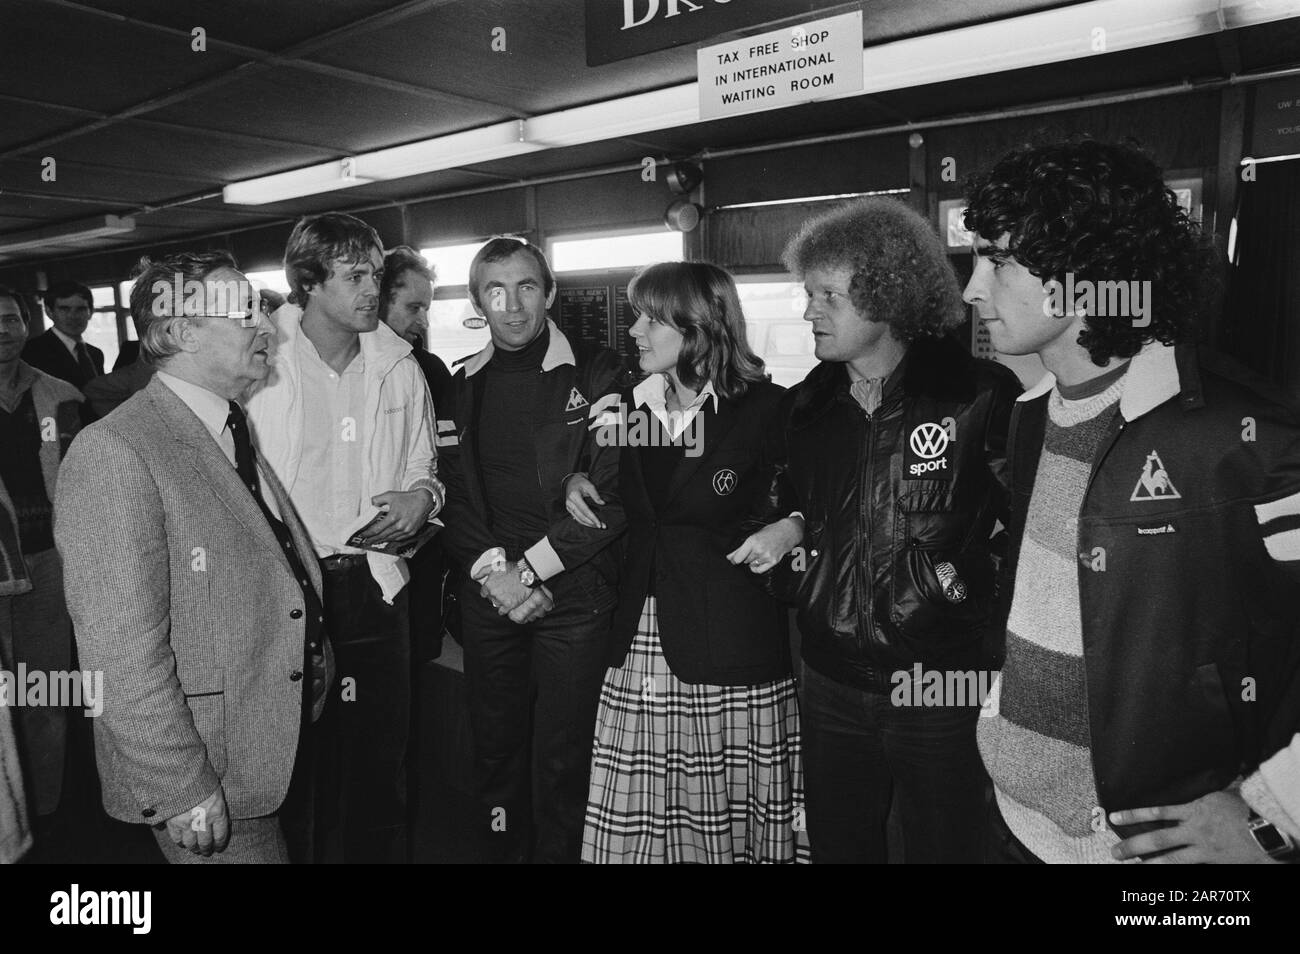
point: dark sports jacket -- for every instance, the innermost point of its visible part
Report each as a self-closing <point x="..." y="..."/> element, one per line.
<point x="1189" y="575"/>
<point x="717" y="622"/>
<point x="884" y="500"/>
<point x="573" y="380"/>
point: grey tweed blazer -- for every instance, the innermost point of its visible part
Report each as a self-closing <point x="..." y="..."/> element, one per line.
<point x="182" y="596"/>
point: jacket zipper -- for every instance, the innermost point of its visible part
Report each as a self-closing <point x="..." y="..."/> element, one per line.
<point x="864" y="511"/>
<point x="1078" y="526"/>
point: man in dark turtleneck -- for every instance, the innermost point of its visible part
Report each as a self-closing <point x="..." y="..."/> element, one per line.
<point x="536" y="607"/>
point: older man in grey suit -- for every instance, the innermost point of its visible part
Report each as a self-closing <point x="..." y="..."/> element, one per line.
<point x="192" y="584"/>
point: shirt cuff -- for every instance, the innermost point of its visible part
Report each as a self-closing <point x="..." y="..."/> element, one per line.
<point x="494" y="559"/>
<point x="544" y="560"/>
<point x="1262" y="793"/>
<point x="436" y="490"/>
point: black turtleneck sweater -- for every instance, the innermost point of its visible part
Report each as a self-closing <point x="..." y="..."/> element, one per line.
<point x="507" y="453"/>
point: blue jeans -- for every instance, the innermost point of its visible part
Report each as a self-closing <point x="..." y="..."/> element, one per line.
<point x="859" y="749"/>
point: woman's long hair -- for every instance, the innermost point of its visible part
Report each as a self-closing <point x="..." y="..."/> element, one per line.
<point x="700" y="301"/>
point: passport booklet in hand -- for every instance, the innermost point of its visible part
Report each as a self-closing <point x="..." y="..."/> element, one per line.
<point x="404" y="548"/>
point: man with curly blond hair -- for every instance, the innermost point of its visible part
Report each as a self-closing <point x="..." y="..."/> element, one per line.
<point x="893" y="446"/>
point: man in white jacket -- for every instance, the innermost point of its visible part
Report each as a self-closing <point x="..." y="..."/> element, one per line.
<point x="346" y="423"/>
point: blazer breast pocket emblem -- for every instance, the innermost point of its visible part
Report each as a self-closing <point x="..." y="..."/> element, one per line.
<point x="724" y="481"/>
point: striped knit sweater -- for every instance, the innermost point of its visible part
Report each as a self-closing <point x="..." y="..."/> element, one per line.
<point x="1037" y="748"/>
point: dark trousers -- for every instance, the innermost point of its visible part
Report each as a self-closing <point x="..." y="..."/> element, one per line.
<point x="1001" y="847"/>
<point x="533" y="692"/>
<point x="859" y="749"/>
<point x="361" y="765"/>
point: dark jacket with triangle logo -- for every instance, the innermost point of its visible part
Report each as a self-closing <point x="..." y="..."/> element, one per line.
<point x="1189" y="575"/>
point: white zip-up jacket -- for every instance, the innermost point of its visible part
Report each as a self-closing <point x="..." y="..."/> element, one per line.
<point x="399" y="451"/>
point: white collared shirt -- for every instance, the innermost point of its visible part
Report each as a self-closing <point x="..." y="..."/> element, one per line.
<point x="212" y="410"/>
<point x="653" y="391"/>
<point x="333" y="451"/>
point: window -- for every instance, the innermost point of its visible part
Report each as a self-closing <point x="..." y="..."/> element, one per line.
<point x="272" y="278"/>
<point x="615" y="251"/>
<point x="102" y="328"/>
<point x="452" y="262"/>
<point x="774" y="322"/>
<point x="448" y="337"/>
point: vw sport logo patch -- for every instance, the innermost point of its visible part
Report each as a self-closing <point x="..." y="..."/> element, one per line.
<point x="926" y="455"/>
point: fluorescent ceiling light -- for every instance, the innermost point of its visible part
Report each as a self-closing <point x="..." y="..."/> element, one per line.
<point x="325" y="177"/>
<point x="447" y="152"/>
<point x="1248" y="161"/>
<point x="68" y="233"/>
<point x="431" y="155"/>
<point x="804" y="200"/>
<point x="1055" y="36"/>
<point x="627" y="116"/>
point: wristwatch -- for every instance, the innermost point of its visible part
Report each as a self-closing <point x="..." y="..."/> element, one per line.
<point x="953" y="588"/>
<point x="527" y="575"/>
<point x="1271" y="840"/>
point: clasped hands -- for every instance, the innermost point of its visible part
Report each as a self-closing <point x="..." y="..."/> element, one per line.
<point x="505" y="591"/>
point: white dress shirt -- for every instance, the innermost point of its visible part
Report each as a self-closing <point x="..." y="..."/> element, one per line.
<point x="333" y="451"/>
<point x="653" y="393"/>
<point x="212" y="410"/>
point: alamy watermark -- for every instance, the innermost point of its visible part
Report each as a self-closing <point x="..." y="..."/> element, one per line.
<point x="946" y="688"/>
<point x="1118" y="299"/>
<point x="83" y="689"/>
<point x="193" y="298"/>
<point x="617" y="426"/>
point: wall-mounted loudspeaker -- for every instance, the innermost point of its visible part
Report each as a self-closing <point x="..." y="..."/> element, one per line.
<point x="682" y="177"/>
<point x="682" y="216"/>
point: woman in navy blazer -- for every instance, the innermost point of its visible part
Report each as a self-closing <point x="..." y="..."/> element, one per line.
<point x="697" y="751"/>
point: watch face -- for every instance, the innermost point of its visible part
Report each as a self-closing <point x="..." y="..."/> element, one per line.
<point x="956" y="591"/>
<point x="1268" y="838"/>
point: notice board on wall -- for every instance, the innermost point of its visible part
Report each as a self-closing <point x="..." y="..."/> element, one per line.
<point x="584" y="314"/>
<point x="592" y="307"/>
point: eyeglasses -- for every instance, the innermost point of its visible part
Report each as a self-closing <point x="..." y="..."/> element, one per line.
<point x="246" y="318"/>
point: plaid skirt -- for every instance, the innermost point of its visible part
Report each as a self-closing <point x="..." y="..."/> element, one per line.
<point x="684" y="773"/>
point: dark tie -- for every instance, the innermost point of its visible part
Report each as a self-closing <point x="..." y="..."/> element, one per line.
<point x="245" y="459"/>
<point x="84" y="364"/>
<point x="246" y="466"/>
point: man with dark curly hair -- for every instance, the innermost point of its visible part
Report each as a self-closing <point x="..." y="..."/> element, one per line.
<point x="1151" y="685"/>
<point x="893" y="447"/>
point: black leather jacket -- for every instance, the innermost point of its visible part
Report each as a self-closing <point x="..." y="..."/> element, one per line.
<point x="885" y="499"/>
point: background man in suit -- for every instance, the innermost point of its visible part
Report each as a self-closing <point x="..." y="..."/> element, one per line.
<point x="193" y="585"/>
<point x="513" y="428"/>
<point x="39" y="415"/>
<point x="60" y="351"/>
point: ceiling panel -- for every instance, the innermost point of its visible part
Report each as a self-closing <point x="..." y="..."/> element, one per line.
<point x="56" y="54"/>
<point x="543" y="67"/>
<point x="348" y="117"/>
<point x="182" y="153"/>
<point x="269" y="26"/>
